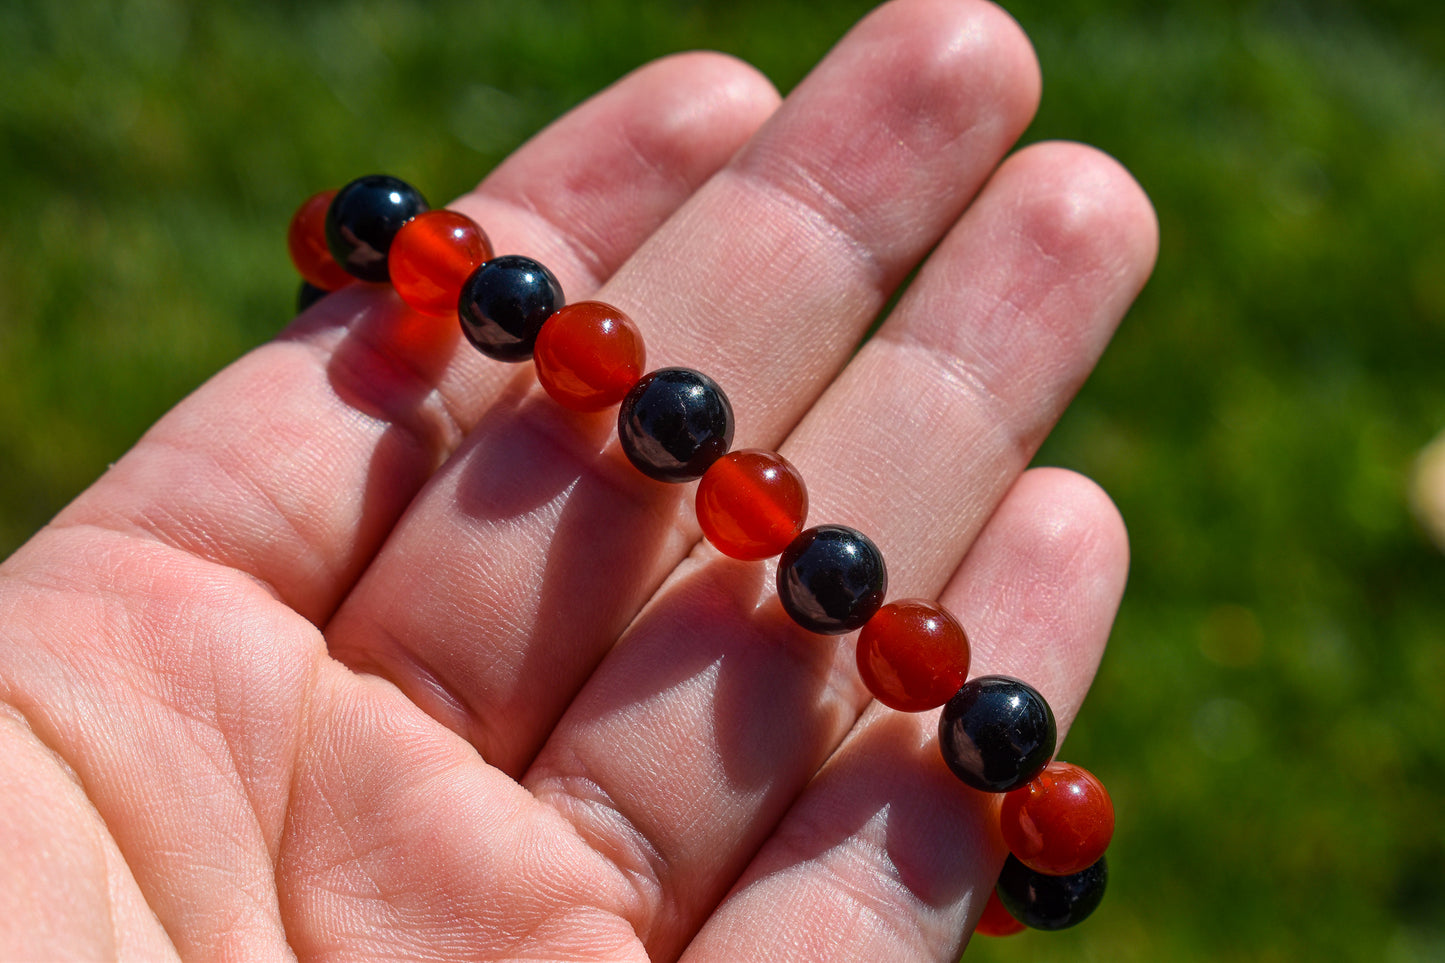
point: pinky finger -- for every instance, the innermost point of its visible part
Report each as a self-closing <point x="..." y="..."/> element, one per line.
<point x="887" y="856"/>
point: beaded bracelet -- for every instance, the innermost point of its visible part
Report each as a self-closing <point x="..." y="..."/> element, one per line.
<point x="996" y="733"/>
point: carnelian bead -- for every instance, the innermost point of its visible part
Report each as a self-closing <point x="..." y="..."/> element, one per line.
<point x="588" y="356"/>
<point x="913" y="655"/>
<point x="306" y="240"/>
<point x="996" y="920"/>
<point x="1060" y="823"/>
<point x="751" y="504"/>
<point x="431" y="257"/>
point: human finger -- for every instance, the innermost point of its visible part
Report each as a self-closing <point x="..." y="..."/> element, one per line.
<point x="699" y="730"/>
<point x="293" y="463"/>
<point x="142" y="634"/>
<point x="518" y="567"/>
<point x="886" y="855"/>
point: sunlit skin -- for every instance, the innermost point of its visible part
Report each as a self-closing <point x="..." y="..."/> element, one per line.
<point x="368" y="649"/>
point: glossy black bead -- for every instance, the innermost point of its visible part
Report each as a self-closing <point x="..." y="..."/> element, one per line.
<point x="504" y="303"/>
<point x="832" y="579"/>
<point x="307" y="295"/>
<point x="996" y="733"/>
<point x="363" y="218"/>
<point x="1051" y="902"/>
<point x="674" y="423"/>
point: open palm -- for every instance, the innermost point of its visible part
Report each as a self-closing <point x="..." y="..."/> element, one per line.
<point x="369" y="650"/>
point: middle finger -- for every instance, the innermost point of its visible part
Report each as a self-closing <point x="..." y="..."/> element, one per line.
<point x="765" y="281"/>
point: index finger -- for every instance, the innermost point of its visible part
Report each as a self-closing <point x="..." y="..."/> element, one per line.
<point x="293" y="464"/>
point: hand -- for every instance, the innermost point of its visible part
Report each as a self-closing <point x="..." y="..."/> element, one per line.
<point x="370" y="650"/>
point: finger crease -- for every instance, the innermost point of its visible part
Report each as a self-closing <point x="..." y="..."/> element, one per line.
<point x="968" y="381"/>
<point x="600" y="823"/>
<point x="587" y="257"/>
<point x="820" y="206"/>
<point x="356" y="383"/>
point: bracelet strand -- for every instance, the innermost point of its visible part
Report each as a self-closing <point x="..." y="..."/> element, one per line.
<point x="996" y="733"/>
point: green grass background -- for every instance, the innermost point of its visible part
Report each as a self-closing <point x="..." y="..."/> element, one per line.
<point x="1270" y="716"/>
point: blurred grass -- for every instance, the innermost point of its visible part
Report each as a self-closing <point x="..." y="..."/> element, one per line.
<point x="1271" y="713"/>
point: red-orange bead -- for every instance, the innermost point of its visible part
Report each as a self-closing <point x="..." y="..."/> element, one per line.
<point x="751" y="504"/>
<point x="306" y="240"/>
<point x="1060" y="823"/>
<point x="431" y="257"/>
<point x="588" y="356"/>
<point x="996" y="920"/>
<point x="913" y="655"/>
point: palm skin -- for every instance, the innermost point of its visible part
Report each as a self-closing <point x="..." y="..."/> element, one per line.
<point x="367" y="650"/>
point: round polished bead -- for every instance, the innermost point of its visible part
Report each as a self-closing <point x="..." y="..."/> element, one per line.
<point x="307" y="295"/>
<point x="504" y="304"/>
<point x="1046" y="902"/>
<point x="674" y="423"/>
<point x="913" y="655"/>
<point x="832" y="579"/>
<point x="996" y="920"/>
<point x="996" y="733"/>
<point x="588" y="356"/>
<point x="363" y="220"/>
<point x="432" y="255"/>
<point x="1061" y="822"/>
<point x="306" y="242"/>
<point x="751" y="504"/>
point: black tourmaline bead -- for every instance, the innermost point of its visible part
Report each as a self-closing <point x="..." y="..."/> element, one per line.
<point x="1051" y="902"/>
<point x="996" y="733"/>
<point x="363" y="218"/>
<point x="832" y="579"/>
<point x="674" y="423"/>
<point x="504" y="303"/>
<point x="307" y="295"/>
